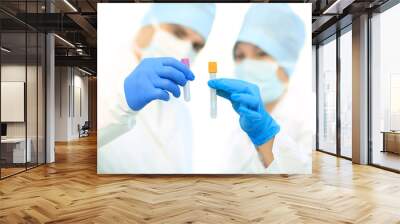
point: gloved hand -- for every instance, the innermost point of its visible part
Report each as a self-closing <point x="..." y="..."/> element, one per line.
<point x="151" y="80"/>
<point x="246" y="101"/>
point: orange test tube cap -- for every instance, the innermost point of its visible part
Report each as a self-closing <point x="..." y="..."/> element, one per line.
<point x="212" y="67"/>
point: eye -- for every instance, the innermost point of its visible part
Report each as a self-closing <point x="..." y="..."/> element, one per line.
<point x="261" y="54"/>
<point x="239" y="56"/>
<point x="179" y="32"/>
<point x="198" y="46"/>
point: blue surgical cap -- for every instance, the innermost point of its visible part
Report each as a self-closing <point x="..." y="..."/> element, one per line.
<point x="277" y="30"/>
<point x="197" y="16"/>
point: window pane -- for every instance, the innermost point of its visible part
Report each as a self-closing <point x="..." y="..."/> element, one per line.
<point x="386" y="89"/>
<point x="327" y="96"/>
<point x="346" y="94"/>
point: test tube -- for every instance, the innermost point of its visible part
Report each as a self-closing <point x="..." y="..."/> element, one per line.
<point x="186" y="88"/>
<point x="212" y="69"/>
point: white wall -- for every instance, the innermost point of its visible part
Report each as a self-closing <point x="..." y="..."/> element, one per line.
<point x="71" y="93"/>
<point x="62" y="81"/>
<point x="80" y="89"/>
<point x="16" y="73"/>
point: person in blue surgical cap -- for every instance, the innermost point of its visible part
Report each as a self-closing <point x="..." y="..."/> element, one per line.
<point x="265" y="54"/>
<point x="267" y="49"/>
<point x="169" y="33"/>
<point x="161" y="140"/>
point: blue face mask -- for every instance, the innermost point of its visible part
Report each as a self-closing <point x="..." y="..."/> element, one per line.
<point x="264" y="75"/>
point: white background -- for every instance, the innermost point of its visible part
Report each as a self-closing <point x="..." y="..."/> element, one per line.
<point x="117" y="26"/>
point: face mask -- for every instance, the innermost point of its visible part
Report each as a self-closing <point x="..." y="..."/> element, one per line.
<point x="165" y="44"/>
<point x="264" y="75"/>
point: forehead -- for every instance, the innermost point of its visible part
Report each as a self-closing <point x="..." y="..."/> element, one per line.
<point x="191" y="34"/>
<point x="245" y="46"/>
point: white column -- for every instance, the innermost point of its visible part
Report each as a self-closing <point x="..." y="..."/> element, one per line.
<point x="50" y="92"/>
<point x="50" y="99"/>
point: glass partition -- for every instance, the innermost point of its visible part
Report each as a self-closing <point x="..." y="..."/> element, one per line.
<point x="22" y="63"/>
<point x="385" y="89"/>
<point x="14" y="153"/>
<point x="41" y="97"/>
<point x="32" y="95"/>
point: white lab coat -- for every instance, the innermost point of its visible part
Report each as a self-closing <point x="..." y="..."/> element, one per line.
<point x="155" y="144"/>
<point x="290" y="157"/>
<point x="291" y="149"/>
<point x="158" y="139"/>
<point x="292" y="145"/>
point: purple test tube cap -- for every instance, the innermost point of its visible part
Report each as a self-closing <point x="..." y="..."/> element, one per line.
<point x="185" y="61"/>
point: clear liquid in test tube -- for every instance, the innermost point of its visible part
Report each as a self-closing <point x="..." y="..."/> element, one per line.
<point x="186" y="88"/>
<point x="212" y="70"/>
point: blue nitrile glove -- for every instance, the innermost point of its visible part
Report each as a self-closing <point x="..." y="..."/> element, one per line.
<point x="151" y="80"/>
<point x="246" y="100"/>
